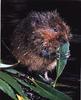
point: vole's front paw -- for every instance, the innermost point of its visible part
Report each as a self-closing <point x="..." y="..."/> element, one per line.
<point x="46" y="78"/>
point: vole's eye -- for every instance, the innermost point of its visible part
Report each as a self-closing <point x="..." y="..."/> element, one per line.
<point x="37" y="21"/>
<point x="55" y="29"/>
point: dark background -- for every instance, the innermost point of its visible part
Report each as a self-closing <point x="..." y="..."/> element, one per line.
<point x="13" y="11"/>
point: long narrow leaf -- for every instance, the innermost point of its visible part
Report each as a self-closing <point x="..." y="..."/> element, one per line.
<point x="12" y="82"/>
<point x="7" y="89"/>
<point x="37" y="89"/>
<point x="62" y="61"/>
<point x="59" y="95"/>
<point x="45" y="90"/>
<point x="63" y="51"/>
<point x="13" y="71"/>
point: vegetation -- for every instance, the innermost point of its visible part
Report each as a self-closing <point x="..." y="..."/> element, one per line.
<point x="12" y="83"/>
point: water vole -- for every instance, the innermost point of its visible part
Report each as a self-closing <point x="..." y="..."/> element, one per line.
<point x="36" y="39"/>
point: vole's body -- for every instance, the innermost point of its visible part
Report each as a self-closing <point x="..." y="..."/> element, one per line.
<point x="39" y="33"/>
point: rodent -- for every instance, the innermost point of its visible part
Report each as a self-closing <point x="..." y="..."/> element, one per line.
<point x="36" y="39"/>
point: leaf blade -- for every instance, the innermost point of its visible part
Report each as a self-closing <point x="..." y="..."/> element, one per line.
<point x="59" y="95"/>
<point x="62" y="61"/>
<point x="12" y="82"/>
<point x="46" y="90"/>
<point x="7" y="89"/>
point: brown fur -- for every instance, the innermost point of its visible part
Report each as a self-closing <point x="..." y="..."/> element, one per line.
<point x="37" y="31"/>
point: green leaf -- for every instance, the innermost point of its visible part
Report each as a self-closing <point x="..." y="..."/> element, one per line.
<point x="12" y="82"/>
<point x="60" y="66"/>
<point x="62" y="61"/>
<point x="7" y="89"/>
<point x="13" y="71"/>
<point x="58" y="95"/>
<point x="37" y="89"/>
<point x="45" y="90"/>
<point x="64" y="49"/>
